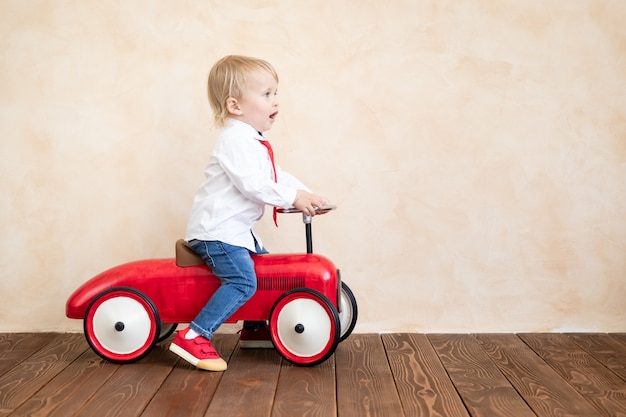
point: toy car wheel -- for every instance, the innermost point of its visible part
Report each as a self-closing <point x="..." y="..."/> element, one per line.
<point x="167" y="329"/>
<point x="122" y="325"/>
<point x="304" y="326"/>
<point x="347" y="311"/>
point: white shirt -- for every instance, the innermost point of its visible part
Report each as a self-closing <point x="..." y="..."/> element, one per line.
<point x="239" y="183"/>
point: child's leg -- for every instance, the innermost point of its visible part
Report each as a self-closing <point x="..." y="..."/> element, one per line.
<point x="235" y="268"/>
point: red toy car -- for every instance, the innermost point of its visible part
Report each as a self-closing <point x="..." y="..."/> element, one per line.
<point x="129" y="308"/>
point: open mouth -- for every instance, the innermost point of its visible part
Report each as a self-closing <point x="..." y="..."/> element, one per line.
<point x="273" y="116"/>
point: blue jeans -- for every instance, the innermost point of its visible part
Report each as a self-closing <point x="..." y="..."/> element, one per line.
<point x="234" y="266"/>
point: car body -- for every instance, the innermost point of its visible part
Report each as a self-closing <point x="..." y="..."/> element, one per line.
<point x="129" y="308"/>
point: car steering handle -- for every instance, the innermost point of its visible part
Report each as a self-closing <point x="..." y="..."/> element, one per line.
<point x="306" y="219"/>
<point x="318" y="210"/>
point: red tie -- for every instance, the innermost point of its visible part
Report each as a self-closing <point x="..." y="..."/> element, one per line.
<point x="271" y="153"/>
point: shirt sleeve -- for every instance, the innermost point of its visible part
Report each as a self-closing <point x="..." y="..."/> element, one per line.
<point x="289" y="180"/>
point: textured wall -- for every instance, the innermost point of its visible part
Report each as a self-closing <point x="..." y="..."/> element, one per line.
<point x="476" y="150"/>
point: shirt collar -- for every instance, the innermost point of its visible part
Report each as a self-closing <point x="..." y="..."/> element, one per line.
<point x="244" y="128"/>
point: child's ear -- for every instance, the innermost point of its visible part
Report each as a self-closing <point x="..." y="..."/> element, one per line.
<point x="233" y="106"/>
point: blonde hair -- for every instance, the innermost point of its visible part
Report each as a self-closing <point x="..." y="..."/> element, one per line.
<point x="227" y="79"/>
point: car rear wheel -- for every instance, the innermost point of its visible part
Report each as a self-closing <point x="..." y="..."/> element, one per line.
<point x="348" y="311"/>
<point x="304" y="327"/>
<point x="122" y="325"/>
<point x="167" y="329"/>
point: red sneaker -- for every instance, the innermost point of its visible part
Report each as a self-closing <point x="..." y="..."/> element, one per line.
<point x="199" y="352"/>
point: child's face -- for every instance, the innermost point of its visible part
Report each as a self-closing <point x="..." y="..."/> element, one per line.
<point x="258" y="104"/>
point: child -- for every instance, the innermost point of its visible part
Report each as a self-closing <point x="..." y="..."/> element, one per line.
<point x="241" y="179"/>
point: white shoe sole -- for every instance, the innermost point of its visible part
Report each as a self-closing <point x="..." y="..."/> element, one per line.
<point x="184" y="354"/>
<point x="216" y="365"/>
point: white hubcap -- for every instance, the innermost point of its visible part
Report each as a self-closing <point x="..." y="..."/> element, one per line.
<point x="304" y="327"/>
<point x="121" y="325"/>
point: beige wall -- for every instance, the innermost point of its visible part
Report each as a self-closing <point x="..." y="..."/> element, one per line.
<point x="476" y="150"/>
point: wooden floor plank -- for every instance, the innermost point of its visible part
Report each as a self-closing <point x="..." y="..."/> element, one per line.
<point x="26" y="344"/>
<point x="421" y="380"/>
<point x="542" y="388"/>
<point x="484" y="389"/>
<point x="24" y="380"/>
<point x="365" y="384"/>
<point x="17" y="347"/>
<point x="188" y="391"/>
<point x="392" y="375"/>
<point x="306" y="391"/>
<point x="247" y="388"/>
<point x="601" y="387"/>
<point x="606" y="349"/>
<point x="131" y="387"/>
<point x="65" y="394"/>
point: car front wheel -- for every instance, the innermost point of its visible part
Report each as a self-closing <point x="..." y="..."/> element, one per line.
<point x="122" y="325"/>
<point x="304" y="327"/>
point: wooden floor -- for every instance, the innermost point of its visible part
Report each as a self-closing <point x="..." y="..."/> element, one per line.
<point x="389" y="375"/>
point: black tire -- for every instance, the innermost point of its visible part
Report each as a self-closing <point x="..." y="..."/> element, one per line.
<point x="122" y="325"/>
<point x="304" y="326"/>
<point x="348" y="311"/>
<point x="167" y="329"/>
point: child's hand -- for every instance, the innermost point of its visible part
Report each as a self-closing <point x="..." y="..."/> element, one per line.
<point x="307" y="202"/>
